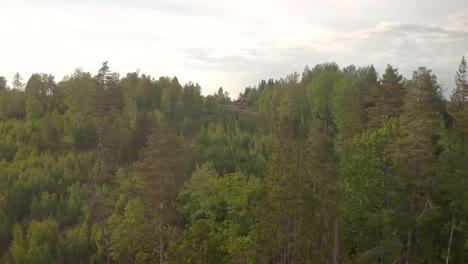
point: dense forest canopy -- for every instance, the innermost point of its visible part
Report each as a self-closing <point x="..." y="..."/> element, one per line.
<point x="334" y="165"/>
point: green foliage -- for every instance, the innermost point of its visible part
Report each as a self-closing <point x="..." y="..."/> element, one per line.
<point x="387" y="97"/>
<point x="75" y="244"/>
<point x="17" y="81"/>
<point x="3" y="84"/>
<point x="367" y="185"/>
<point x="331" y="166"/>
<point x="12" y="104"/>
<point x="232" y="149"/>
<point x="218" y="217"/>
<point x="42" y="238"/>
<point x="38" y="89"/>
<point x="131" y="232"/>
<point x="171" y="104"/>
<point x="18" y="246"/>
<point x="78" y="118"/>
<point x="320" y="92"/>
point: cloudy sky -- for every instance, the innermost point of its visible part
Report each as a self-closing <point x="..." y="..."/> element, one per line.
<point x="230" y="43"/>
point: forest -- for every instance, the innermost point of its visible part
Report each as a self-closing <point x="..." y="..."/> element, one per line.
<point x="331" y="165"/>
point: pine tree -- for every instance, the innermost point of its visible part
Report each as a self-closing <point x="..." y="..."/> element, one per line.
<point x="161" y="171"/>
<point x="322" y="167"/>
<point x="388" y="98"/>
<point x="286" y="211"/>
<point x="458" y="107"/>
<point x="17" y="84"/>
<point x="456" y="166"/>
<point x="416" y="153"/>
<point x="323" y="159"/>
<point x="105" y="103"/>
<point x="460" y="94"/>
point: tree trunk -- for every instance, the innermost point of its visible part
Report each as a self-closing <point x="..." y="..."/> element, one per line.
<point x="409" y="245"/>
<point x="105" y="240"/>
<point x="162" y="254"/>
<point x="337" y="243"/>
<point x="161" y="224"/>
<point x="99" y="161"/>
<point x="450" y="239"/>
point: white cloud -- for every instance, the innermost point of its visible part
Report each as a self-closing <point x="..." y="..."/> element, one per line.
<point x="230" y="43"/>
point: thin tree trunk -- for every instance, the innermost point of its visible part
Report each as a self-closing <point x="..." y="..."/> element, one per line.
<point x="285" y="233"/>
<point x="100" y="160"/>
<point x="462" y="143"/>
<point x="450" y="239"/>
<point x="105" y="239"/>
<point x="161" y="239"/>
<point x="161" y="226"/>
<point x="337" y="243"/>
<point x="383" y="209"/>
<point x="321" y="214"/>
<point x="100" y="217"/>
<point x="409" y="245"/>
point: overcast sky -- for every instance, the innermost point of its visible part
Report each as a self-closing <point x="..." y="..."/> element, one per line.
<point x="232" y="44"/>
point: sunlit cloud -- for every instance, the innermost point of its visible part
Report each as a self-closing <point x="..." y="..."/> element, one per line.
<point x="230" y="43"/>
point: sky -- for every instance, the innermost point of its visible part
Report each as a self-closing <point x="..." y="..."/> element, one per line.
<point x="232" y="44"/>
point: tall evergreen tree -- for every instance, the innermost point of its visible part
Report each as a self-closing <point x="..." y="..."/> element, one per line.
<point x="388" y="98"/>
<point x="460" y="94"/>
<point x="458" y="107"/>
<point x="105" y="104"/>
<point x="161" y="171"/>
<point x="416" y="156"/>
<point x="322" y="167"/>
<point x="456" y="168"/>
<point x="17" y="81"/>
<point x="282" y="225"/>
<point x="323" y="159"/>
